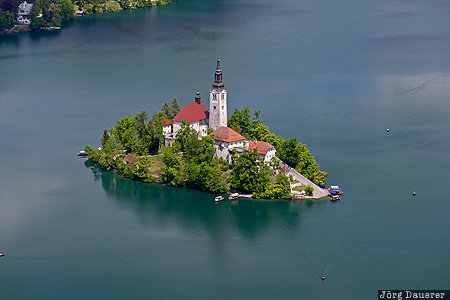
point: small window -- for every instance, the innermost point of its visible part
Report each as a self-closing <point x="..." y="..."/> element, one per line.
<point x="214" y="107"/>
<point x="222" y="106"/>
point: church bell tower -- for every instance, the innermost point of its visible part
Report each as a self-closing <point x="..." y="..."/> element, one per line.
<point x="218" y="101"/>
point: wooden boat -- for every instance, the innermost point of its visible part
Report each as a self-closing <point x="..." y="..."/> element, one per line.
<point x="82" y="153"/>
<point x="233" y="196"/>
<point x="218" y="198"/>
<point x="334" y="198"/>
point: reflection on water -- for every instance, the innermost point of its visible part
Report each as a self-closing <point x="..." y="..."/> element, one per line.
<point x="193" y="208"/>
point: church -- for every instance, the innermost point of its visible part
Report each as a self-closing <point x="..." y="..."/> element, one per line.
<point x="200" y="119"/>
<point x="196" y="113"/>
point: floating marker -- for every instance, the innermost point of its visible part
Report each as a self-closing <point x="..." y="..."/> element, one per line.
<point x="414" y="193"/>
<point x="388" y="130"/>
<point x="323" y="277"/>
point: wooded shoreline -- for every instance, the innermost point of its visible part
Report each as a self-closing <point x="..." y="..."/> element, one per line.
<point x="47" y="15"/>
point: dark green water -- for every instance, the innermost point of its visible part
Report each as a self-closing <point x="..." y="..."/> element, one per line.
<point x="334" y="74"/>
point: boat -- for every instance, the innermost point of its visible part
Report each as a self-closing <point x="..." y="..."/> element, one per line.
<point x="82" y="153"/>
<point x="334" y="198"/>
<point x="1" y="254"/>
<point x="335" y="190"/>
<point x="233" y="196"/>
<point x="218" y="198"/>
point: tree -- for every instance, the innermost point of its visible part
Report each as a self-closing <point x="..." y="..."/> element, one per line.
<point x="140" y="123"/>
<point x="125" y="132"/>
<point x="105" y="137"/>
<point x="54" y="17"/>
<point x="250" y="174"/>
<point x="67" y="9"/>
<point x="240" y="120"/>
<point x="209" y="178"/>
<point x="309" y="190"/>
<point x="37" y="22"/>
<point x="289" y="152"/>
<point x="279" y="190"/>
<point x="141" y="169"/>
<point x="171" y="109"/>
<point x="6" y="20"/>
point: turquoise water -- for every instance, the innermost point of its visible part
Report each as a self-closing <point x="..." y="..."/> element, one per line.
<point x="333" y="74"/>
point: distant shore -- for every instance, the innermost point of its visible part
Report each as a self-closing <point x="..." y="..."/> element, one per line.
<point x="79" y="12"/>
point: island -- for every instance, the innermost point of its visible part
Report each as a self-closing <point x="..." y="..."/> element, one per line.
<point x="194" y="147"/>
<point x="39" y="15"/>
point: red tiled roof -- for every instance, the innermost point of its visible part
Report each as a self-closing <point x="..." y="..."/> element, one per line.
<point x="285" y="168"/>
<point x="261" y="147"/>
<point x="165" y="122"/>
<point x="192" y="112"/>
<point x="130" y="158"/>
<point x="227" y="134"/>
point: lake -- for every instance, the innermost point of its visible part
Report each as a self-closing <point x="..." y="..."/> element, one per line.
<point x="333" y="74"/>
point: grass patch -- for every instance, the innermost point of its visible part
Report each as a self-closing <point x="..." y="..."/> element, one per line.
<point x="308" y="189"/>
<point x="157" y="164"/>
<point x="299" y="188"/>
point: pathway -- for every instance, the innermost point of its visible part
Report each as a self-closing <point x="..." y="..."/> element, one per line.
<point x="303" y="181"/>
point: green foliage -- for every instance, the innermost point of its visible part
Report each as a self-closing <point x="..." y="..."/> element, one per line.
<point x="141" y="169"/>
<point x="105" y="137"/>
<point x="171" y="109"/>
<point x="37" y="22"/>
<point x="289" y="152"/>
<point x="309" y="190"/>
<point x="279" y="190"/>
<point x="138" y="134"/>
<point x="56" y="12"/>
<point x="6" y="20"/>
<point x="67" y="9"/>
<point x="240" y="120"/>
<point x="250" y="174"/>
<point x="320" y="178"/>
<point x="125" y="132"/>
<point x="105" y="157"/>
<point x="54" y="15"/>
<point x="112" y="6"/>
<point x="195" y="166"/>
<point x="164" y="2"/>
<point x="294" y="153"/>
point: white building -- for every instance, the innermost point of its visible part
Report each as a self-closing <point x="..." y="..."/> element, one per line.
<point x="195" y="114"/>
<point x="265" y="150"/>
<point x="218" y="101"/>
<point x="226" y="139"/>
<point x="167" y="126"/>
<point x="23" y="13"/>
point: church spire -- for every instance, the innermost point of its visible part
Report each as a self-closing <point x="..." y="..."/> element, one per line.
<point x="218" y="83"/>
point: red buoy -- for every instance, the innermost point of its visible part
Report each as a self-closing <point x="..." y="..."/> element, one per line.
<point x="323" y="277"/>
